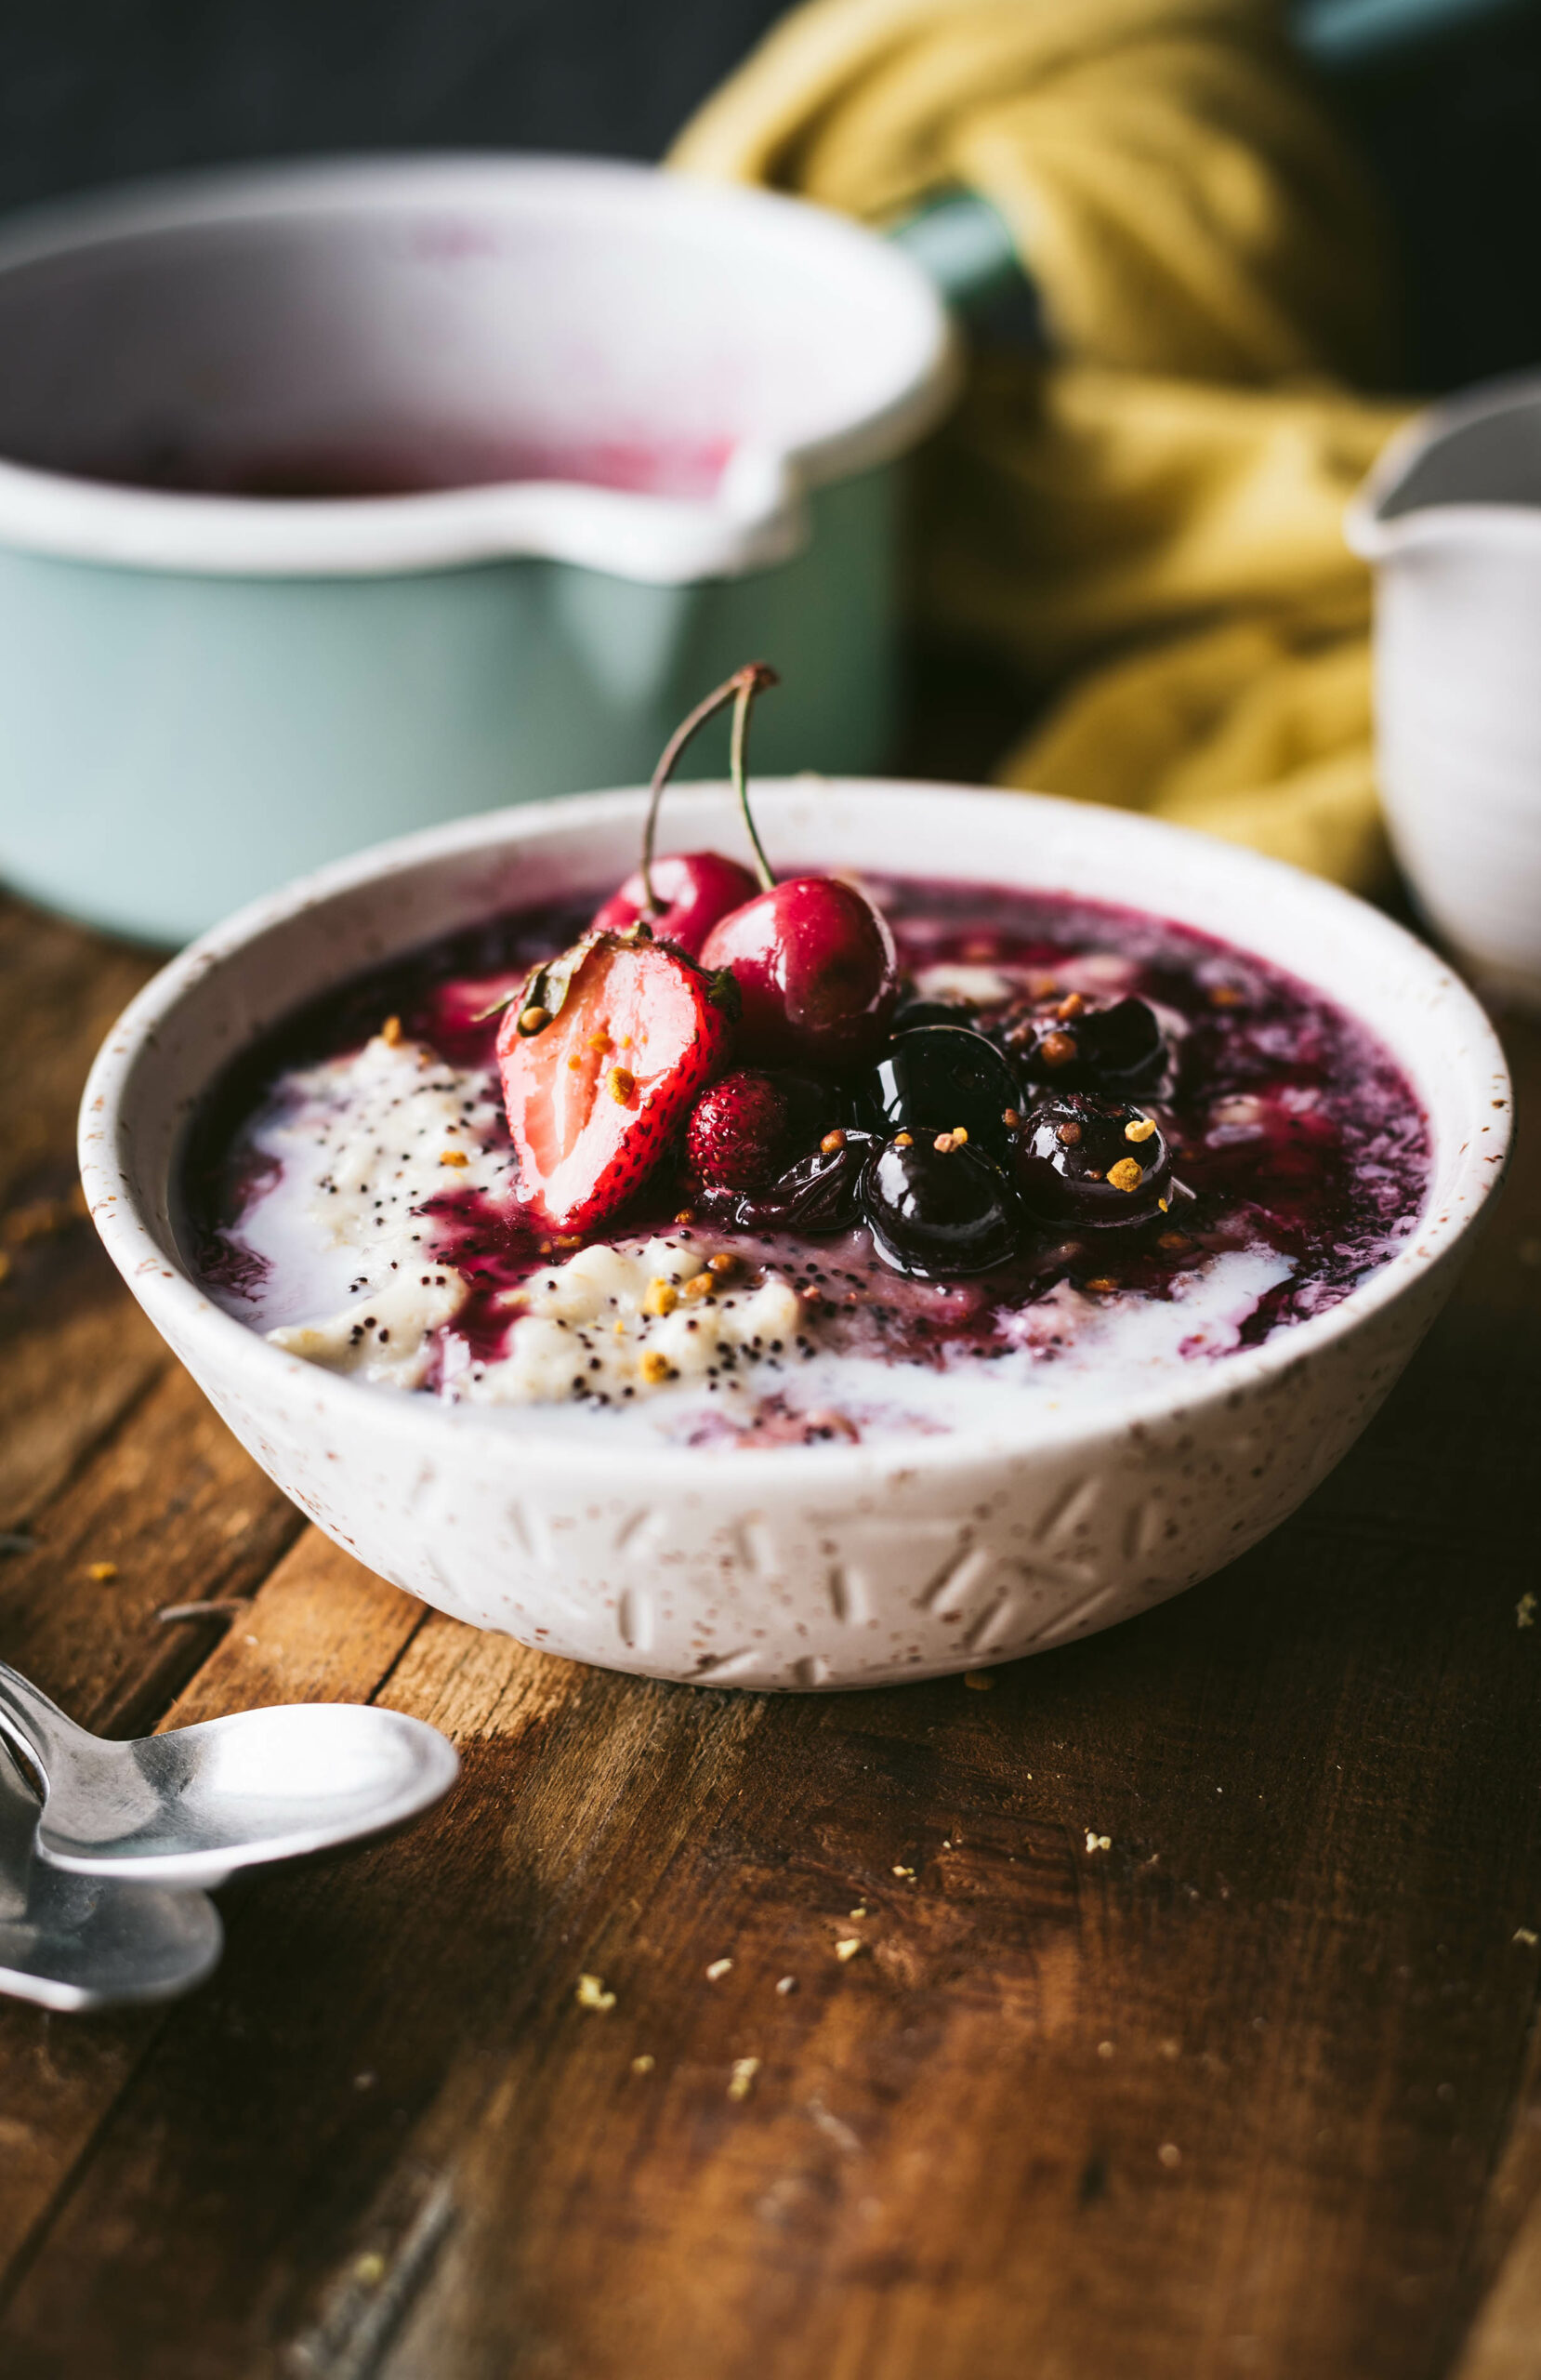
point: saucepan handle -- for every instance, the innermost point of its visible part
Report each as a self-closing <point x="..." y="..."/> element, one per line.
<point x="964" y="245"/>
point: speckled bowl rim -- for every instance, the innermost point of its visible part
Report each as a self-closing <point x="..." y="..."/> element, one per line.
<point x="155" y="1271"/>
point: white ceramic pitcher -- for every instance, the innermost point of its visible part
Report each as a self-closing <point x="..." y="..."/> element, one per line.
<point x="1451" y="517"/>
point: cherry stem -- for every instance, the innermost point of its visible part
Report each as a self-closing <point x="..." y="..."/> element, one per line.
<point x="740" y="690"/>
<point x="754" y="678"/>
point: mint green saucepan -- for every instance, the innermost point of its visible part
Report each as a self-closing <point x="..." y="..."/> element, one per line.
<point x="342" y="499"/>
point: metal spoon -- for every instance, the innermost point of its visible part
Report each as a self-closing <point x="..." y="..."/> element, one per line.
<point x="191" y="1806"/>
<point x="73" y="1942"/>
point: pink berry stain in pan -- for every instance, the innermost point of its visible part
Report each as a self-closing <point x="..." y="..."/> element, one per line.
<point x="416" y="462"/>
<point x="1283" y="1127"/>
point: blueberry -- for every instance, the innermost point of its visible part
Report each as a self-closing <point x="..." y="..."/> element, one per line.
<point x="1121" y="1047"/>
<point x="937" y="1077"/>
<point x="937" y="1210"/>
<point x="1084" y="1160"/>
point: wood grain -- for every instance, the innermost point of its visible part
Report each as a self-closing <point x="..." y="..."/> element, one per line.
<point x="321" y="1629"/>
<point x="1254" y="2089"/>
<point x="175" y="1511"/>
<point x="75" y="1350"/>
<point x="106" y="1454"/>
<point x="60" y="989"/>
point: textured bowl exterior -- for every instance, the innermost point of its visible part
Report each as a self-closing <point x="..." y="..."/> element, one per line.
<point x="818" y="1566"/>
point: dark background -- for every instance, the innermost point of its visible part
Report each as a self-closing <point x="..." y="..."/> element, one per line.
<point x="95" y="90"/>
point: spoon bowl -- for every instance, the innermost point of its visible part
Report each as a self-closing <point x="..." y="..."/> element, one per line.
<point x="194" y="1805"/>
<point x="71" y="1943"/>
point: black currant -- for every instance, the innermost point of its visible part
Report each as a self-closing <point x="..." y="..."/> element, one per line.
<point x="913" y="1011"/>
<point x="1084" y="1160"/>
<point x="936" y="1206"/>
<point x="937" y="1077"/>
<point x="1073" y="1047"/>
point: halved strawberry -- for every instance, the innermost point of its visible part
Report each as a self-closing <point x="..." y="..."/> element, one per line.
<point x="601" y="1055"/>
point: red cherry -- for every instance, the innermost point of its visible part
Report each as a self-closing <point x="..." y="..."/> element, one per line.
<point x="693" y="889"/>
<point x="812" y="959"/>
<point x="682" y="897"/>
<point x="814" y="964"/>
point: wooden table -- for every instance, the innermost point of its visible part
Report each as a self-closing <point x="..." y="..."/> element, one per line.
<point x="1254" y="2089"/>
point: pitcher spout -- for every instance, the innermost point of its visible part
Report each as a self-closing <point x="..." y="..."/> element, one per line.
<point x="1467" y="473"/>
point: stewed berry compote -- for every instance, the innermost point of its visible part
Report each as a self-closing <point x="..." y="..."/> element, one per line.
<point x="746" y="1162"/>
<point x="1088" y="1146"/>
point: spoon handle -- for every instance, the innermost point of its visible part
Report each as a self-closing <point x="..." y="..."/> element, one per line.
<point x="38" y="1726"/>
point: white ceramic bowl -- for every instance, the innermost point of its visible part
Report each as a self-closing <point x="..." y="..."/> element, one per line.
<point x="834" y="1564"/>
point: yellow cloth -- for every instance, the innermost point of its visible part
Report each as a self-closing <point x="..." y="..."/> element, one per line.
<point x="1159" y="510"/>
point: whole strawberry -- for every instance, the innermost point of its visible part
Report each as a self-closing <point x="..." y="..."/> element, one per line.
<point x="738" y="1131"/>
<point x="602" y="1054"/>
